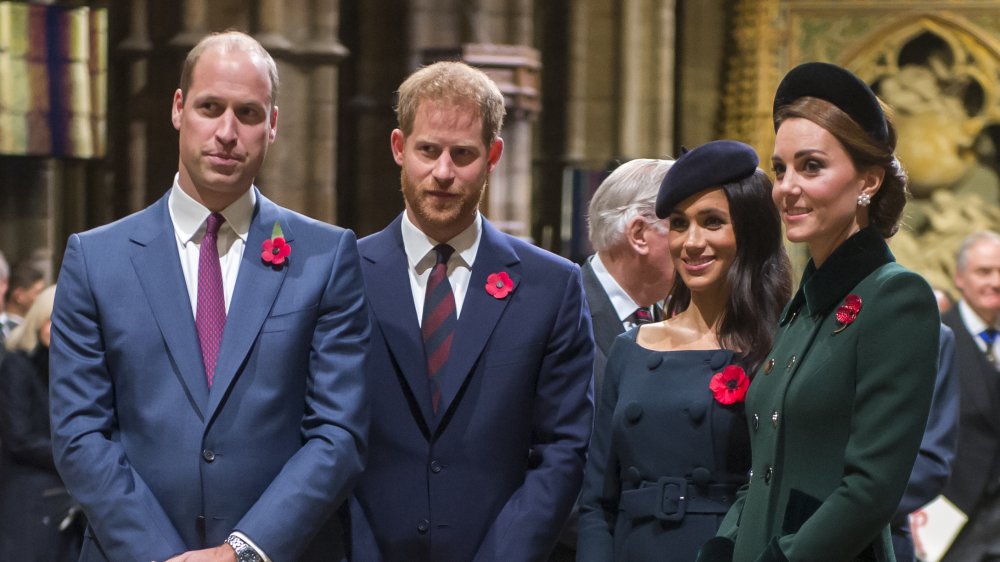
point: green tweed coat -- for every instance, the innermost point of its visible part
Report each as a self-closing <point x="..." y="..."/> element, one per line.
<point x="836" y="413"/>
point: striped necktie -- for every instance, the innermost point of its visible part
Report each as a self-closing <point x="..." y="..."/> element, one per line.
<point x="439" y="320"/>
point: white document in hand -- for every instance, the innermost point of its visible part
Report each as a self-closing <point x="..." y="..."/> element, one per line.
<point x="935" y="527"/>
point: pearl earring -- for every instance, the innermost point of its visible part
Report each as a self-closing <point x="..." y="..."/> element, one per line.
<point x="864" y="200"/>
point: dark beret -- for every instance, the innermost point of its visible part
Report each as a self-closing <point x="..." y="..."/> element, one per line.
<point x="711" y="165"/>
<point x="838" y="86"/>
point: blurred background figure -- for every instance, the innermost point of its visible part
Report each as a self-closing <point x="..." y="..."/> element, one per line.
<point x="974" y="486"/>
<point x="38" y="519"/>
<point x="4" y="279"/>
<point x="24" y="284"/>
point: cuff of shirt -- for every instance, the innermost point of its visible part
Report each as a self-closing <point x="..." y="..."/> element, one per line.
<point x="253" y="545"/>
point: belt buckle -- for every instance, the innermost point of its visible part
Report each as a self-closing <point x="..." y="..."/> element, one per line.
<point x="671" y="499"/>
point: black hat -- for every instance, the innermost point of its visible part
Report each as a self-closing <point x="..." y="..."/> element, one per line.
<point x="711" y="165"/>
<point x="838" y="86"/>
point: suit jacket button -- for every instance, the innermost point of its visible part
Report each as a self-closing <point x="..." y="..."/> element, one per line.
<point x="633" y="412"/>
<point x="208" y="455"/>
<point x="435" y="467"/>
<point x="423" y="526"/>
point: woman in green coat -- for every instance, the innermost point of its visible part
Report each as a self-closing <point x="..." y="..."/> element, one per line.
<point x="837" y="409"/>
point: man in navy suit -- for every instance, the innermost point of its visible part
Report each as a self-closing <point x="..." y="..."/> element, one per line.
<point x="481" y="352"/>
<point x="207" y="387"/>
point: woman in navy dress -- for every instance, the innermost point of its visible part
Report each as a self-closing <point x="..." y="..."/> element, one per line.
<point x="670" y="444"/>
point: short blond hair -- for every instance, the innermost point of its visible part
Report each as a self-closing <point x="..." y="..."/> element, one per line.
<point x="455" y="84"/>
<point x="25" y="336"/>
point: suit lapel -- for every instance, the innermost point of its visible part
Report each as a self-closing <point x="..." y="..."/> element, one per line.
<point x="257" y="286"/>
<point x="604" y="317"/>
<point x="984" y="374"/>
<point x="480" y="312"/>
<point x="391" y="300"/>
<point x="157" y="265"/>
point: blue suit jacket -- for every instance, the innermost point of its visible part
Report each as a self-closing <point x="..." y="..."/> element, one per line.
<point x="494" y="474"/>
<point x="161" y="463"/>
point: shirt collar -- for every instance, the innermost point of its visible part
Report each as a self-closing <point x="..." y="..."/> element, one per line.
<point x="972" y="321"/>
<point x="418" y="246"/>
<point x="189" y="215"/>
<point x="624" y="305"/>
<point x="852" y="261"/>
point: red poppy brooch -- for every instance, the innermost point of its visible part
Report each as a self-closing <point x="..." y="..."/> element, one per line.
<point x="730" y="386"/>
<point x="848" y="311"/>
<point x="275" y="251"/>
<point x="499" y="285"/>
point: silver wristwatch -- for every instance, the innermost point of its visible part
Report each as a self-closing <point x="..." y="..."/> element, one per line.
<point x="244" y="552"/>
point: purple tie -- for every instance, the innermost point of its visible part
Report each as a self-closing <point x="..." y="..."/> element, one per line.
<point x="438" y="327"/>
<point x="210" y="318"/>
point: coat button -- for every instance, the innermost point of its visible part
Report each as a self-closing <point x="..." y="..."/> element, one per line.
<point x="756" y="422"/>
<point x="768" y="474"/>
<point x="718" y="360"/>
<point x="435" y="467"/>
<point x="208" y="455"/>
<point x="423" y="526"/>
<point x="774" y="418"/>
<point x="701" y="476"/>
<point x="633" y="475"/>
<point x="654" y="361"/>
<point x="633" y="412"/>
<point x="696" y="410"/>
<point x="750" y="476"/>
<point x="791" y="363"/>
<point x="768" y="366"/>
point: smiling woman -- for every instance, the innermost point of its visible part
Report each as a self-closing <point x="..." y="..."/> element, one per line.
<point x="847" y="386"/>
<point x="669" y="446"/>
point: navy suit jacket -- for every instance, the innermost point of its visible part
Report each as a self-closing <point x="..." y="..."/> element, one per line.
<point x="162" y="464"/>
<point x="976" y="470"/>
<point x="492" y="476"/>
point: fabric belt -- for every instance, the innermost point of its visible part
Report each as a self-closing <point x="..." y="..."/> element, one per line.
<point x="669" y="499"/>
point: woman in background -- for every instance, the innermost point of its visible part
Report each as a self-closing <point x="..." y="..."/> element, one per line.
<point x="838" y="408"/>
<point x="38" y="520"/>
<point x="670" y="443"/>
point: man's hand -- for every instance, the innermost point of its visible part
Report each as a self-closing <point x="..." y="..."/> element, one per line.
<point x="224" y="553"/>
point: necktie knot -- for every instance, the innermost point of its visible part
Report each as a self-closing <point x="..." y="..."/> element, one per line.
<point x="213" y="224"/>
<point x="989" y="336"/>
<point x="641" y="316"/>
<point x="443" y="253"/>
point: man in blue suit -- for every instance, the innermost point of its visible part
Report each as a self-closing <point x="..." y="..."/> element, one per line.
<point x="481" y="352"/>
<point x="207" y="387"/>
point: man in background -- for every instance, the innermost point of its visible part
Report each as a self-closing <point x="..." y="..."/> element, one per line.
<point x="974" y="486"/>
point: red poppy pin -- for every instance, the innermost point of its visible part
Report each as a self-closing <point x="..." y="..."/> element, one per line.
<point x="275" y="251"/>
<point x="499" y="285"/>
<point x="848" y="311"/>
<point x="730" y="386"/>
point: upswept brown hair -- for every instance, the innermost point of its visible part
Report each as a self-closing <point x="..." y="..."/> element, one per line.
<point x="865" y="152"/>
<point x="455" y="84"/>
<point x="229" y="41"/>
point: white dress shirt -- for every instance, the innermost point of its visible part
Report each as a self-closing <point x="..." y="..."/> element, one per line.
<point x="188" y="217"/>
<point x="624" y="305"/>
<point x="421" y="258"/>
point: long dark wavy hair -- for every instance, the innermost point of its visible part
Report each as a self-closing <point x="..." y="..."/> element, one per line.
<point x="759" y="280"/>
